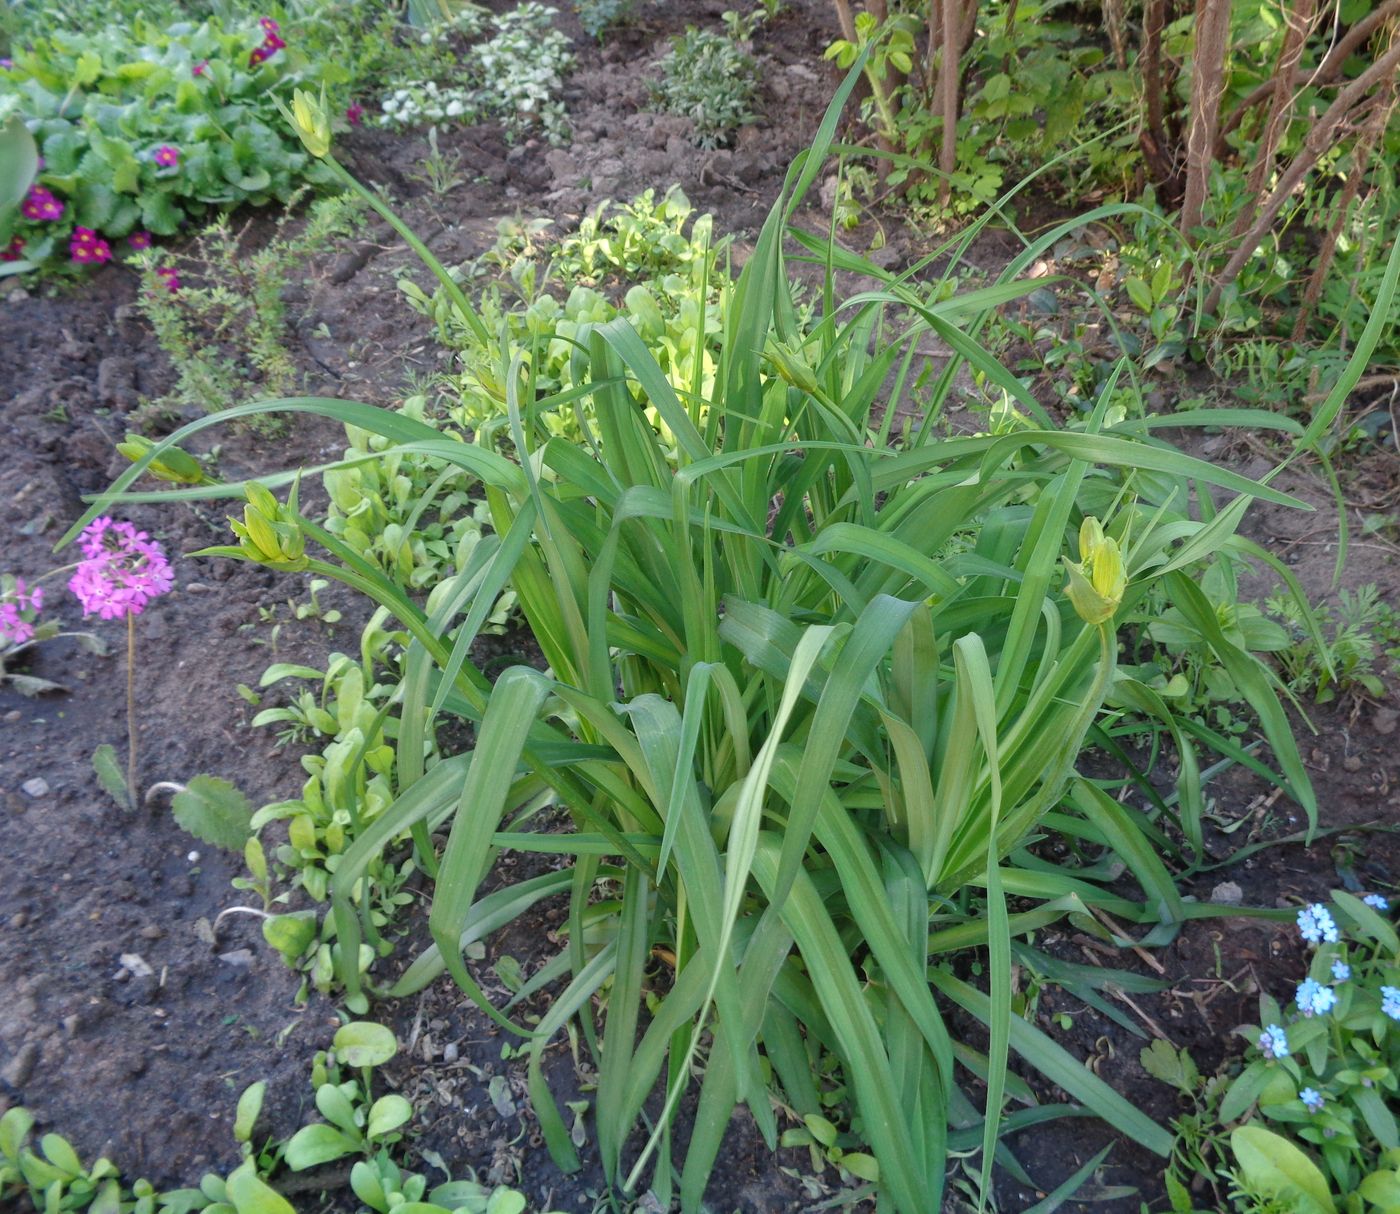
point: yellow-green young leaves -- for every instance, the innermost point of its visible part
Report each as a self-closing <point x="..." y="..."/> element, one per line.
<point x="1098" y="579"/>
<point x="172" y="464"/>
<point x="311" y="123"/>
<point x="269" y="533"/>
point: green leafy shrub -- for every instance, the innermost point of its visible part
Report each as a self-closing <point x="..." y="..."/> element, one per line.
<point x="1039" y="87"/>
<point x="709" y="79"/>
<point x="143" y="128"/>
<point x="808" y="692"/>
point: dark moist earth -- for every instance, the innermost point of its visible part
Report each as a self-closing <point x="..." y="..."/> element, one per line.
<point x="130" y="1026"/>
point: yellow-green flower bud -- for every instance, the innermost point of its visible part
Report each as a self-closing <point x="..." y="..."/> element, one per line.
<point x="172" y="464"/>
<point x="311" y="123"/>
<point x="269" y="533"/>
<point x="1098" y="579"/>
<point x="791" y="368"/>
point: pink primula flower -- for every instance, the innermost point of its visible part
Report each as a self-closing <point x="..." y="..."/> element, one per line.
<point x="272" y="42"/>
<point x="355" y="113"/>
<point x="87" y="248"/>
<point x="200" y="68"/>
<point x="169" y="277"/>
<point x="139" y="240"/>
<point x="166" y="156"/>
<point x="122" y="570"/>
<point x="40" y="204"/>
<point x="17" y="612"/>
<point x="14" y="251"/>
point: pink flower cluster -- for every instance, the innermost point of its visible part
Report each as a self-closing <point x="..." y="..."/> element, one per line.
<point x="355" y="113"/>
<point x="272" y="42"/>
<point x="121" y="571"/>
<point x="166" y="156"/>
<point x="169" y="277"/>
<point x="88" y="248"/>
<point x="14" y="251"/>
<point x="40" y="204"/>
<point x="17" y="612"/>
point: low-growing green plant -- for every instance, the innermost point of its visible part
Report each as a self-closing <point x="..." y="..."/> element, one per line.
<point x="710" y="79"/>
<point x="218" y="309"/>
<point x="809" y="694"/>
<point x="408" y="515"/>
<point x="656" y="254"/>
<point x="599" y="16"/>
<point x="53" y="1177"/>
<point x="143" y="127"/>
<point x="1323" y="1071"/>
<point x="513" y="77"/>
<point x="349" y="783"/>
<point x="1362" y="635"/>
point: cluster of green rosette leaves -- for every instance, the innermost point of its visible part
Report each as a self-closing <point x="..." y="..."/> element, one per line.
<point x="101" y="103"/>
<point x="357" y="1125"/>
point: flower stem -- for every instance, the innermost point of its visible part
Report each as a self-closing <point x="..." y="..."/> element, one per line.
<point x="440" y="271"/>
<point x="131" y="708"/>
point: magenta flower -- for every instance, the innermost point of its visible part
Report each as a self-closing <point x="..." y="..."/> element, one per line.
<point x="169" y="277"/>
<point x="40" y="204"/>
<point x="14" y="252"/>
<point x="354" y="113"/>
<point x="7" y="64"/>
<point x="166" y="156"/>
<point x="122" y="570"/>
<point x="87" y="248"/>
<point x="269" y="25"/>
<point x="139" y="240"/>
<point x="199" y="68"/>
<point x="17" y="612"/>
<point x="14" y="628"/>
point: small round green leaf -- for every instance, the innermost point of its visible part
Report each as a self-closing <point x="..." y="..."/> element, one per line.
<point x="363" y="1043"/>
<point x="387" y="1114"/>
<point x="313" y="1145"/>
<point x="249" y="1195"/>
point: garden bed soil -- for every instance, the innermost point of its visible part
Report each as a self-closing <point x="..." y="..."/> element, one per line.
<point x="146" y="1067"/>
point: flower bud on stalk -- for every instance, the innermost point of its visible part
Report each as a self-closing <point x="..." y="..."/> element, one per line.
<point x="1098" y="579"/>
<point x="269" y="533"/>
<point x="312" y="123"/>
<point x="172" y="464"/>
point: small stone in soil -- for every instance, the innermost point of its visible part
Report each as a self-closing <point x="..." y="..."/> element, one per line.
<point x="18" y="1070"/>
<point x="37" y="787"/>
<point x="1227" y="893"/>
<point x="136" y="965"/>
<point x="238" y="957"/>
